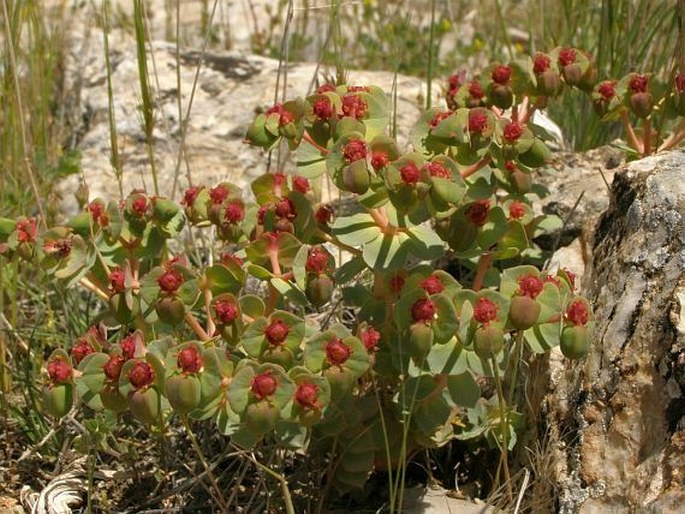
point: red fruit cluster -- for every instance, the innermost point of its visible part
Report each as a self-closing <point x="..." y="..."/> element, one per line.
<point x="485" y="310"/>
<point x="530" y="285"/>
<point x="301" y="184"/>
<point x="477" y="212"/>
<point x="607" y="89"/>
<point x="478" y="121"/>
<point x="60" y="247"/>
<point x="284" y="116"/>
<point x="517" y="210"/>
<point x="410" y="173"/>
<point x="437" y="169"/>
<point x="379" y="160"/>
<point x="323" y="109"/>
<point x="317" y="260"/>
<point x="218" y="194"/>
<point x="285" y="209"/>
<point x="128" y="346"/>
<point x="432" y="285"/>
<point x="59" y="371"/>
<point x="501" y="75"/>
<point x="170" y="281"/>
<point x="370" y="338"/>
<point x="354" y="150"/>
<point x="189" y="360"/>
<point x="26" y="230"/>
<point x="276" y="332"/>
<point x="81" y="349"/>
<point x="226" y="311"/>
<point x="567" y="56"/>
<point x="578" y="313"/>
<point x="323" y="215"/>
<point x="423" y="310"/>
<point x="337" y="352"/>
<point x="325" y="88"/>
<point x="541" y="63"/>
<point x="476" y="90"/>
<point x="638" y="84"/>
<point x="354" y="106"/>
<point x="139" y="205"/>
<point x="117" y="279"/>
<point x="306" y="395"/>
<point x="97" y="213"/>
<point x="512" y="132"/>
<point x="190" y="196"/>
<point x="112" y="368"/>
<point x="439" y="117"/>
<point x="226" y="258"/>
<point x="235" y="212"/>
<point x="141" y="375"/>
<point x="264" y="385"/>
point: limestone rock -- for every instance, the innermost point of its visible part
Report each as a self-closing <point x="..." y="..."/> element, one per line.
<point x="230" y="88"/>
<point x="619" y="415"/>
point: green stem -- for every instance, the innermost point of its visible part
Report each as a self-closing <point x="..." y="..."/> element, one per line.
<point x="113" y="139"/>
<point x="287" y="498"/>
<point x="334" y="240"/>
<point x="388" y="457"/>
<point x="429" y="71"/>
<point x="198" y="450"/>
<point x="504" y="427"/>
<point x="518" y="349"/>
<point x="329" y="477"/>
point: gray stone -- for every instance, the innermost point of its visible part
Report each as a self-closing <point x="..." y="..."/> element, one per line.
<point x="618" y="416"/>
<point x="230" y="88"/>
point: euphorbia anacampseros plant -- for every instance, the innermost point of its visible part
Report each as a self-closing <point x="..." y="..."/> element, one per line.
<point x="194" y="341"/>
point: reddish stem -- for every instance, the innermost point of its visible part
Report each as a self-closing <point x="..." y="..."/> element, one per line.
<point x="647" y="136"/>
<point x="531" y="110"/>
<point x="380" y="217"/>
<point x="676" y="137"/>
<point x="194" y="324"/>
<point x="632" y="138"/>
<point x="308" y="139"/>
<point x="484" y="264"/>
<point x="467" y="172"/>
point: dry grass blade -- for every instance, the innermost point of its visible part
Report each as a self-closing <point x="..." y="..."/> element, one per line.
<point x="14" y="70"/>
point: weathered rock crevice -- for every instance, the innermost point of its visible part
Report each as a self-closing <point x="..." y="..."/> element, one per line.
<point x="624" y="403"/>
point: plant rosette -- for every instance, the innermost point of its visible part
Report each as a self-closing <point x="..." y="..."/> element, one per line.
<point x="141" y="382"/>
<point x="172" y="289"/>
<point x="228" y="317"/>
<point x="276" y="338"/>
<point x="424" y="319"/>
<point x="339" y="356"/>
<point x="194" y="377"/>
<point x="58" y="391"/>
<point x="258" y="393"/>
<point x="311" y="397"/>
